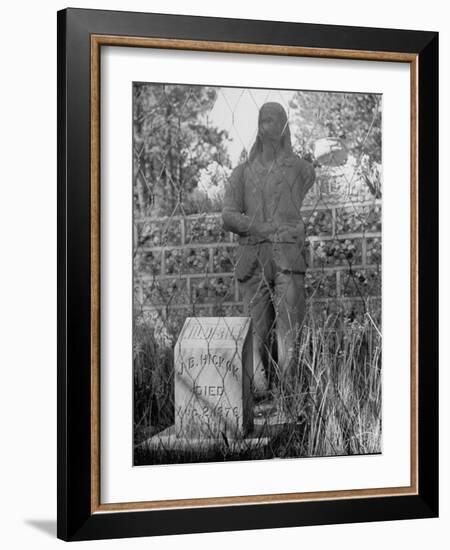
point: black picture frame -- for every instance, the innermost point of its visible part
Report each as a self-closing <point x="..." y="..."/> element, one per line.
<point x="78" y="518"/>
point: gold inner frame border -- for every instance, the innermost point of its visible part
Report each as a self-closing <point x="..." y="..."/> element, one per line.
<point x="97" y="41"/>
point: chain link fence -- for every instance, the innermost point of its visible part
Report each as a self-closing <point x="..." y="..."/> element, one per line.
<point x="187" y="140"/>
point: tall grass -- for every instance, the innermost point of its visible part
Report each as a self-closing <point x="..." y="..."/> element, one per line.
<point x="332" y="405"/>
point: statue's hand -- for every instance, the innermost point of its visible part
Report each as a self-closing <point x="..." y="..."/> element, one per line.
<point x="265" y="230"/>
<point x="290" y="233"/>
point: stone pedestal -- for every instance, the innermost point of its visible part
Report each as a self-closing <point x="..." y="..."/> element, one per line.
<point x="213" y="370"/>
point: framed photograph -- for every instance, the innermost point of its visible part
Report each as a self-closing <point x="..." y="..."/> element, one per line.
<point x="247" y="274"/>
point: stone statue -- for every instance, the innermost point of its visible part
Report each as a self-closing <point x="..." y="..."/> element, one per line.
<point x="262" y="205"/>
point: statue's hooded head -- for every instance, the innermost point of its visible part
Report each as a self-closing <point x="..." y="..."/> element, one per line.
<point x="283" y="142"/>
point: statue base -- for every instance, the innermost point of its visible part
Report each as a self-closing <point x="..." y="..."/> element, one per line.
<point x="265" y="429"/>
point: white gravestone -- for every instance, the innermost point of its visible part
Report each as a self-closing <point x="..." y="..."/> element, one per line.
<point x="213" y="369"/>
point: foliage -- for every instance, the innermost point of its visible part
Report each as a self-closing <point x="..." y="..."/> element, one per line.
<point x="351" y="117"/>
<point x="335" y="404"/>
<point x="173" y="143"/>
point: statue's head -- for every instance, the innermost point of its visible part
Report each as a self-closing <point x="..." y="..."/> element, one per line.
<point x="273" y="130"/>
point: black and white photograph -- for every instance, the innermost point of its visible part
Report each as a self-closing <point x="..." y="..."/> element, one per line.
<point x="257" y="239"/>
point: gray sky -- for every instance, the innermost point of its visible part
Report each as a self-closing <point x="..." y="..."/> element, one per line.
<point x="236" y="110"/>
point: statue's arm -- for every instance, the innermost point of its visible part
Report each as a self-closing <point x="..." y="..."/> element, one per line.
<point x="305" y="177"/>
<point x="234" y="216"/>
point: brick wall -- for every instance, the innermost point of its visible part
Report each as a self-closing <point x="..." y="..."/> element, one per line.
<point x="184" y="264"/>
